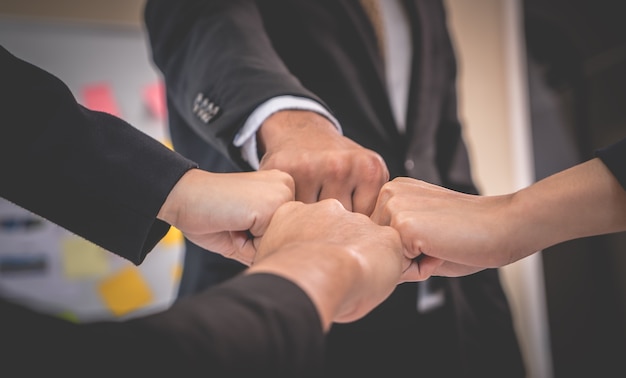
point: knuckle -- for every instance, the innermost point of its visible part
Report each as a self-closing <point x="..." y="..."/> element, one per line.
<point x="374" y="168"/>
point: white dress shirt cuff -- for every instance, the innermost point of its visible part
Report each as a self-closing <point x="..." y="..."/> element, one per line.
<point x="246" y="137"/>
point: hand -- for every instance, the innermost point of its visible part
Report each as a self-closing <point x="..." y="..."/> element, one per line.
<point x="323" y="163"/>
<point x="425" y="266"/>
<point x="447" y="233"/>
<point x="217" y="210"/>
<point x="345" y="262"/>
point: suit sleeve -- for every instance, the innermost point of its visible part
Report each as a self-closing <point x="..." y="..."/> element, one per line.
<point x="218" y="64"/>
<point x="252" y="325"/>
<point x="87" y="171"/>
<point x="614" y="157"/>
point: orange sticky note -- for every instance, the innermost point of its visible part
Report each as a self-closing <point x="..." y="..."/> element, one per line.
<point x="125" y="291"/>
<point x="173" y="237"/>
<point x="99" y="96"/>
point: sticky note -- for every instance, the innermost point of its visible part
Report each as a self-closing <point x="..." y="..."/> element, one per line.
<point x="83" y="259"/>
<point x="154" y="98"/>
<point x="173" y="237"/>
<point x="177" y="272"/>
<point x="168" y="143"/>
<point x="99" y="96"/>
<point x="68" y="316"/>
<point x="125" y="291"/>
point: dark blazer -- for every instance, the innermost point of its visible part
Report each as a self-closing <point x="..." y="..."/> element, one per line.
<point x="99" y="177"/>
<point x="221" y="59"/>
<point x="69" y="164"/>
<point x="257" y="324"/>
<point x="614" y="157"/>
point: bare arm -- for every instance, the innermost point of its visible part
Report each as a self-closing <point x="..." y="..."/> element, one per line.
<point x="582" y="201"/>
<point x="492" y="231"/>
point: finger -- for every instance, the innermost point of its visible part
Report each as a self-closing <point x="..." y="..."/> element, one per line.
<point x="286" y="180"/>
<point x="411" y="240"/>
<point x="306" y="176"/>
<point x="381" y="214"/>
<point x="413" y="273"/>
<point x="451" y="269"/>
<point x="339" y="191"/>
<point x="365" y="198"/>
<point x="245" y="249"/>
<point x="428" y="265"/>
<point x="307" y="191"/>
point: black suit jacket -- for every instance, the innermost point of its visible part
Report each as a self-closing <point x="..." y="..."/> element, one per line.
<point x="614" y="157"/>
<point x="221" y="59"/>
<point x="69" y="164"/>
<point x="101" y="178"/>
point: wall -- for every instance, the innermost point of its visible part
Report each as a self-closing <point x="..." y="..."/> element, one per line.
<point x="493" y="105"/>
<point x="110" y="12"/>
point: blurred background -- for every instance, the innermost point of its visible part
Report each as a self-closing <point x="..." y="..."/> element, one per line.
<point x="542" y="84"/>
<point x="99" y="50"/>
<point x="577" y="84"/>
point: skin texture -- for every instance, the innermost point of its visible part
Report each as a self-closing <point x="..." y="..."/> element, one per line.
<point x="327" y="250"/>
<point x="223" y="211"/>
<point x="323" y="163"/>
<point x="454" y="234"/>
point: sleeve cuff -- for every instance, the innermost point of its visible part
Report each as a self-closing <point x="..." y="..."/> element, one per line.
<point x="246" y="137"/>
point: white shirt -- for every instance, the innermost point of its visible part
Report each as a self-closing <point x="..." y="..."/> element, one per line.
<point x="398" y="53"/>
<point x="398" y="62"/>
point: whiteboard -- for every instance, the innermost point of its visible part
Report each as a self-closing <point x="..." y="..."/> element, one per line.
<point x="45" y="266"/>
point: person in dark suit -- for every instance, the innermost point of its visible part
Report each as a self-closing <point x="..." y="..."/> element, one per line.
<point x="303" y="86"/>
<point x="492" y="231"/>
<point x="116" y="182"/>
<point x="106" y="181"/>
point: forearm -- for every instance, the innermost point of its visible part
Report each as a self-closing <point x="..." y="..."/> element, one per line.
<point x="242" y="319"/>
<point x="582" y="201"/>
<point x="325" y="272"/>
<point x="262" y="319"/>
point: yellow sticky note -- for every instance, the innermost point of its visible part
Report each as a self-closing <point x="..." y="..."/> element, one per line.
<point x="83" y="259"/>
<point x="168" y="144"/>
<point x="173" y="237"/>
<point x="177" y="272"/>
<point x="125" y="291"/>
<point x="69" y="316"/>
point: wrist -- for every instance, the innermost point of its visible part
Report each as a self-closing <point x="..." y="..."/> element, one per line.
<point x="280" y="125"/>
<point x="174" y="203"/>
<point x="531" y="229"/>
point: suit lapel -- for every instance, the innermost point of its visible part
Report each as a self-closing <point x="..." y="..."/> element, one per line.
<point x="366" y="37"/>
<point x="419" y="81"/>
<point x="427" y="84"/>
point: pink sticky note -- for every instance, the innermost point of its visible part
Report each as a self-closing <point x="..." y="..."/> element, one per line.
<point x="99" y="96"/>
<point x="154" y="98"/>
